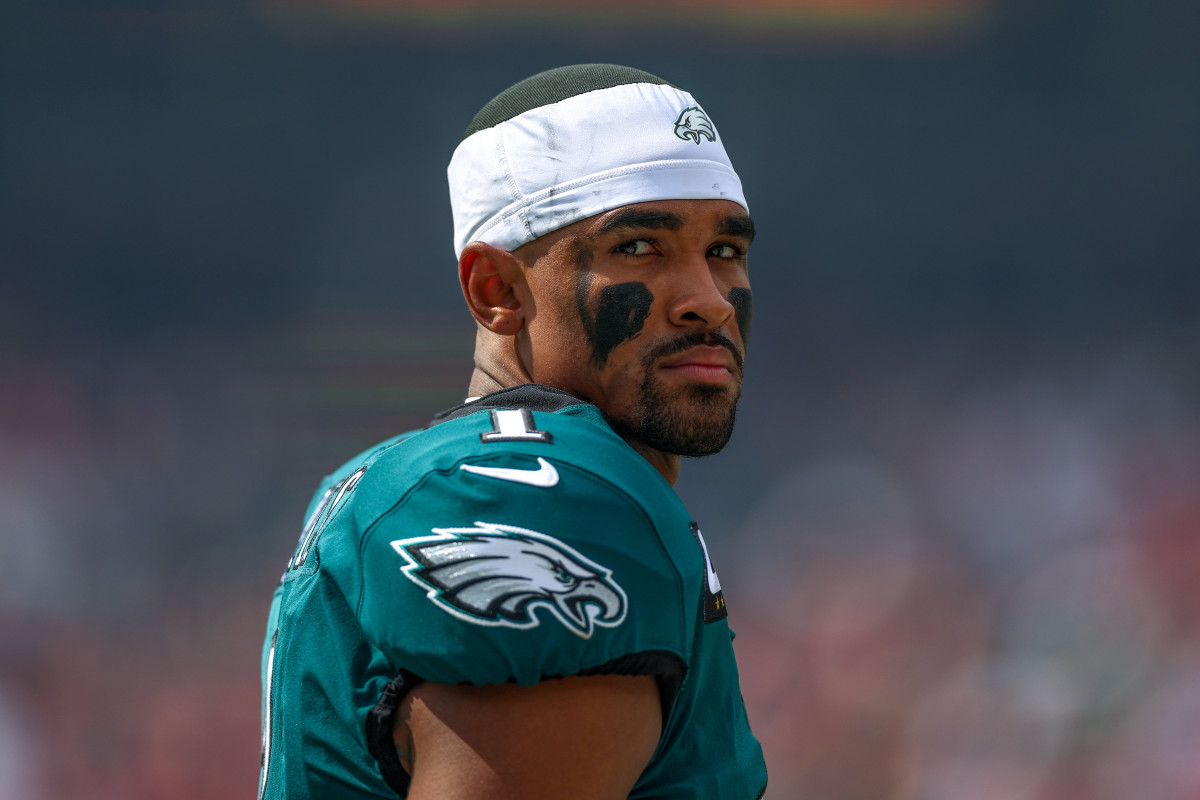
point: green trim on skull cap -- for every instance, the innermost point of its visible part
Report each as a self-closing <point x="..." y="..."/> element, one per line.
<point x="553" y="86"/>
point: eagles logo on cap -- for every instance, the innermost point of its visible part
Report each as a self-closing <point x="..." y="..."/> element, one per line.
<point x="693" y="124"/>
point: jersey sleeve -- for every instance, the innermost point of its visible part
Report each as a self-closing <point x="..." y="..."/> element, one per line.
<point x="485" y="577"/>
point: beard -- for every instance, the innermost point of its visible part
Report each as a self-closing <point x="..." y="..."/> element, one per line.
<point x="696" y="421"/>
<point x="692" y="421"/>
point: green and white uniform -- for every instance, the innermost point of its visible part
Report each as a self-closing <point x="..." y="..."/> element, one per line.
<point x="519" y="539"/>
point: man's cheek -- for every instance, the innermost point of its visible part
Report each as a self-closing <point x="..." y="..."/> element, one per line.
<point x="621" y="313"/>
<point x="742" y="301"/>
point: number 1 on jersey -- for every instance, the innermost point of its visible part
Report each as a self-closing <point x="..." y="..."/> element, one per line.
<point x="514" y="425"/>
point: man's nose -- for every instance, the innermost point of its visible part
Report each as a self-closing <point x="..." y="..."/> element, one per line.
<point x="698" y="298"/>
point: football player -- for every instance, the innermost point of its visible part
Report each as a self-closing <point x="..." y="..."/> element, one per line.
<point x="513" y="602"/>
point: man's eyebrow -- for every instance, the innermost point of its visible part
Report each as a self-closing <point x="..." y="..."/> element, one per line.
<point x="742" y="227"/>
<point x="634" y="218"/>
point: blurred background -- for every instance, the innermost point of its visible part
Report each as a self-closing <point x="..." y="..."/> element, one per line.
<point x="958" y="527"/>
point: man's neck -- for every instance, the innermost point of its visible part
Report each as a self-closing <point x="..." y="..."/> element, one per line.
<point x="666" y="463"/>
<point x="482" y="383"/>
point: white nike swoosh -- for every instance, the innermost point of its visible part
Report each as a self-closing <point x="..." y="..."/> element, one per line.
<point x="544" y="476"/>
<point x="714" y="583"/>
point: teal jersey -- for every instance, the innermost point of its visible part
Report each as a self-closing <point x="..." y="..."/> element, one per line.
<point x="503" y="544"/>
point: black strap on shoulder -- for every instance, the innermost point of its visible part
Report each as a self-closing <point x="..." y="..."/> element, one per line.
<point x="381" y="721"/>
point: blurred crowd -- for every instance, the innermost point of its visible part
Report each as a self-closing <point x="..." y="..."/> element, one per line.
<point x="985" y="588"/>
<point x="999" y="602"/>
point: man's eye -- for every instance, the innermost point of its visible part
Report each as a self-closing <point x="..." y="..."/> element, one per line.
<point x="725" y="251"/>
<point x="636" y="247"/>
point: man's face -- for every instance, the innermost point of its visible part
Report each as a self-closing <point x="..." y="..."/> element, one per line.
<point x="644" y="311"/>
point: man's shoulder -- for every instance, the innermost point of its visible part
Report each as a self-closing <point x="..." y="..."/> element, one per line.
<point x="503" y="519"/>
<point x="508" y="436"/>
<point x="560" y="471"/>
<point x="452" y="430"/>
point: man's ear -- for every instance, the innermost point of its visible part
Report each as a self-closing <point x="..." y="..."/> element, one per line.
<point x="488" y="276"/>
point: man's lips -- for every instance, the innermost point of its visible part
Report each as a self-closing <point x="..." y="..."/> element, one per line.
<point x="705" y="364"/>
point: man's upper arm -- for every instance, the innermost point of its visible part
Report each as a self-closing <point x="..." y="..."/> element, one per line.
<point x="581" y="737"/>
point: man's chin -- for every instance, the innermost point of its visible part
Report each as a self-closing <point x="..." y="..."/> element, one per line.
<point x="696" y="421"/>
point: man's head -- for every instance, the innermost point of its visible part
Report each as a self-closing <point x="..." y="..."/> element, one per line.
<point x="602" y="237"/>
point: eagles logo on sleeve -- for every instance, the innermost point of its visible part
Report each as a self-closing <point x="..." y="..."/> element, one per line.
<point x="494" y="574"/>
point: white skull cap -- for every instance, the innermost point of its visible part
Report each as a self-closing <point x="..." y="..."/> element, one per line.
<point x="573" y="142"/>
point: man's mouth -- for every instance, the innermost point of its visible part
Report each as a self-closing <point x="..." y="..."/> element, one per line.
<point x="702" y="364"/>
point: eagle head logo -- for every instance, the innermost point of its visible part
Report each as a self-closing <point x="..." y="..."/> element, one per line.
<point x="693" y="123"/>
<point x="493" y="574"/>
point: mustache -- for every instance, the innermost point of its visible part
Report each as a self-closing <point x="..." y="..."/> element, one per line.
<point x="697" y="339"/>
